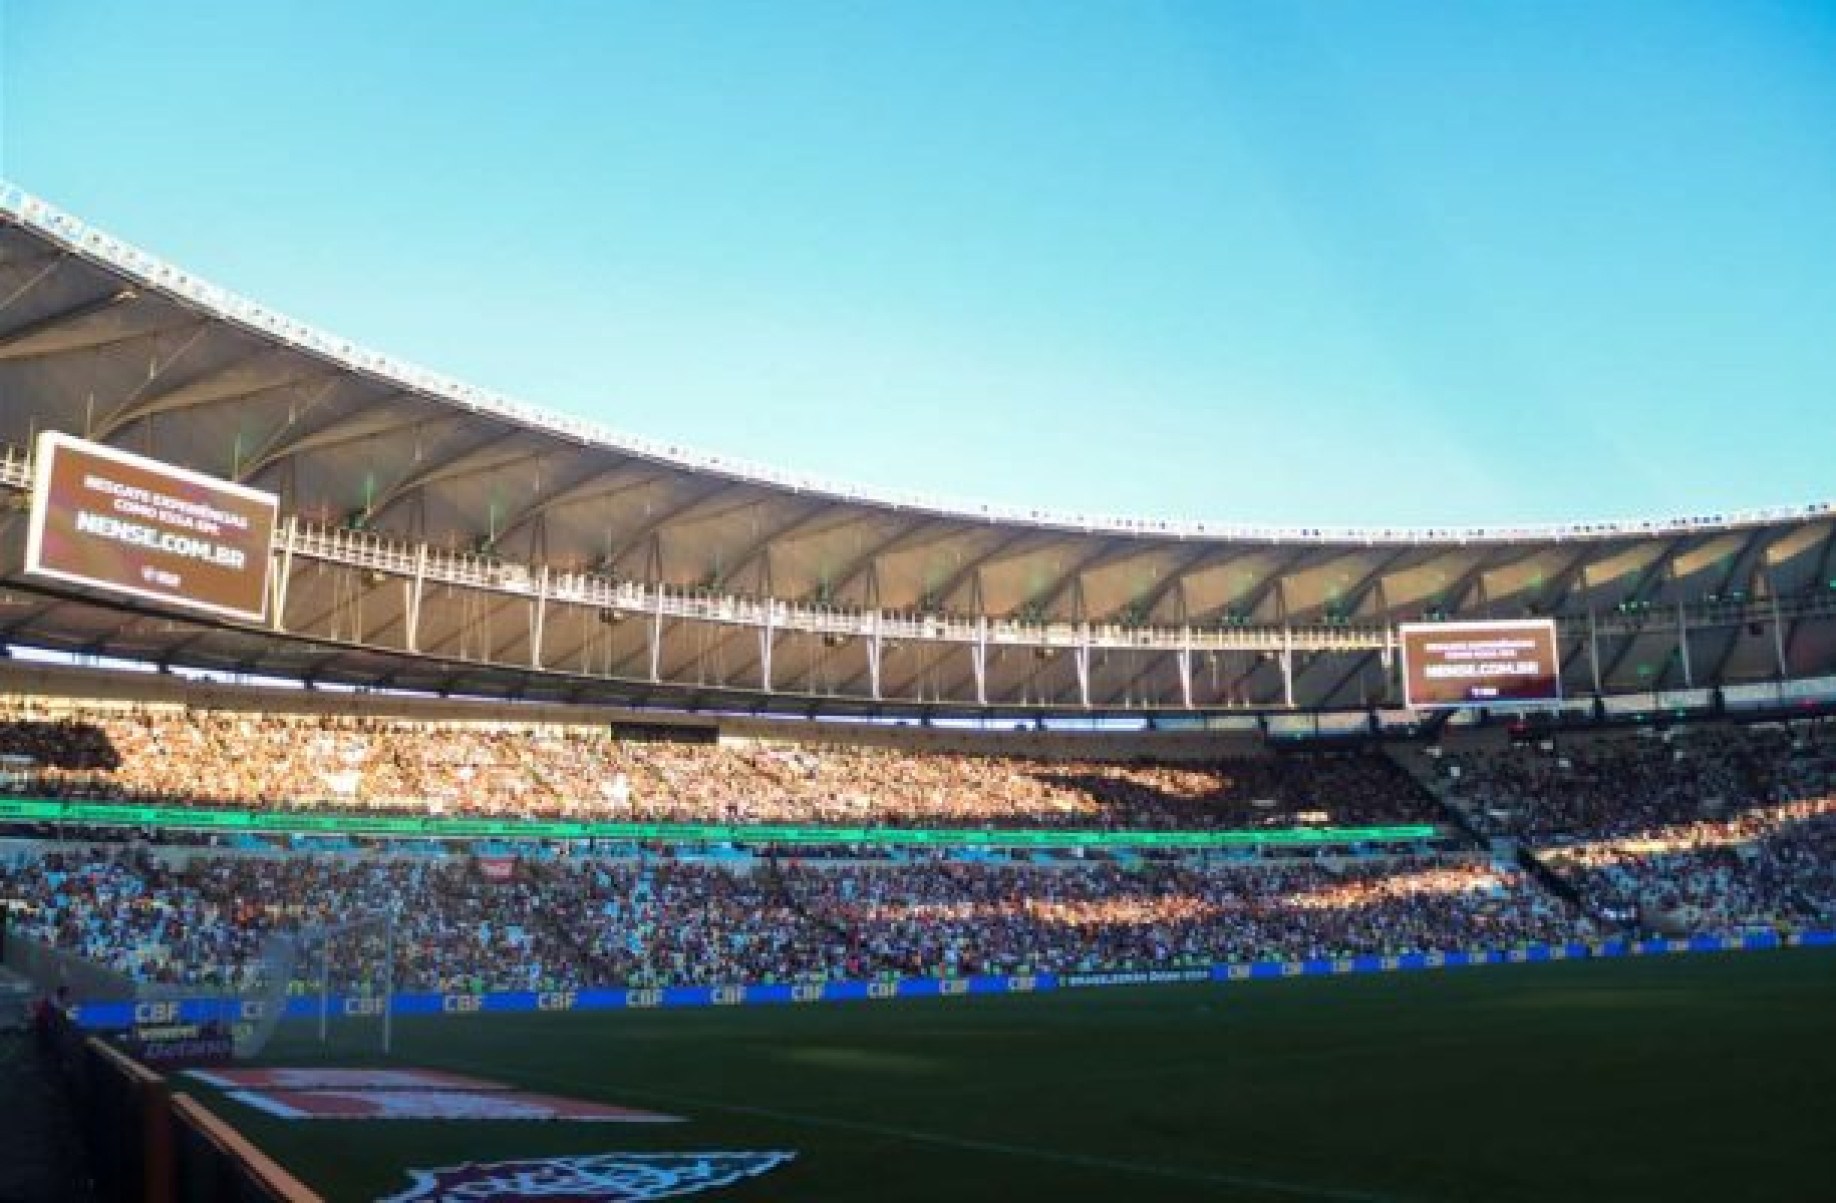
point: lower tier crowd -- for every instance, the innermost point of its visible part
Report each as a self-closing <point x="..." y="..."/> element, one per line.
<point x="1776" y="862"/>
<point x="560" y="924"/>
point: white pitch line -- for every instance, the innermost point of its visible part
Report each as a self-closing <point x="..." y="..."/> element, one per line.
<point x="1250" y="1182"/>
<point x="918" y="1136"/>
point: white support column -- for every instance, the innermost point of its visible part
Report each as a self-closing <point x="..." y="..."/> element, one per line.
<point x="1287" y="666"/>
<point x="416" y="588"/>
<point x="874" y="650"/>
<point x="1689" y="675"/>
<point x="1083" y="665"/>
<point x="765" y="644"/>
<point x="979" y="657"/>
<point x="1185" y="666"/>
<point x="656" y="632"/>
<point x="388" y="984"/>
<point x="284" y="574"/>
<point x="1778" y="634"/>
<point x="1593" y="648"/>
<point x="324" y="984"/>
<point x="540" y="619"/>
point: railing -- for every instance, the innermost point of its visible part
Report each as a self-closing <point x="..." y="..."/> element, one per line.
<point x="15" y="467"/>
<point x="424" y="564"/>
<point x="365" y="550"/>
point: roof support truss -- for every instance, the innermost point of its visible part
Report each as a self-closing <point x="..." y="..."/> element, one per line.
<point x="237" y="382"/>
<point x="41" y="336"/>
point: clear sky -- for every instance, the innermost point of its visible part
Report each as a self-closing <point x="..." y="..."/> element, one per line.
<point x="1291" y="262"/>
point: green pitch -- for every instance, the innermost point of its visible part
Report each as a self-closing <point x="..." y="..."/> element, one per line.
<point x="1685" y="1077"/>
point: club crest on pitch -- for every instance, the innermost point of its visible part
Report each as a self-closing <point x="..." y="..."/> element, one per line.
<point x="594" y="1178"/>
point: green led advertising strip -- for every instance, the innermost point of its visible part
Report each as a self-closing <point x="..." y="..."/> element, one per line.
<point x="115" y="814"/>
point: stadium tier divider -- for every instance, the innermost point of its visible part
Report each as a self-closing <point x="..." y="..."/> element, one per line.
<point x="179" y="818"/>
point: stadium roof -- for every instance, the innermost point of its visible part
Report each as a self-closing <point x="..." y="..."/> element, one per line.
<point x="102" y="340"/>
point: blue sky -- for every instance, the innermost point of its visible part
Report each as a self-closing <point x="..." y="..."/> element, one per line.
<point x="1287" y="262"/>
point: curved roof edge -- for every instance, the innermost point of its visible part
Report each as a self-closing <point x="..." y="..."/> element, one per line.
<point x="149" y="271"/>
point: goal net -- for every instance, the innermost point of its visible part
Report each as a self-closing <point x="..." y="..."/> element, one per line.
<point x="324" y="989"/>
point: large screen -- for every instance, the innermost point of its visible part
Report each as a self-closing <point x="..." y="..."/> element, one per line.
<point x="113" y="520"/>
<point x="1480" y="663"/>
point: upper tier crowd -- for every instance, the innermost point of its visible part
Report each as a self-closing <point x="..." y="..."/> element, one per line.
<point x="564" y="924"/>
<point x="279" y="760"/>
<point x="1629" y="785"/>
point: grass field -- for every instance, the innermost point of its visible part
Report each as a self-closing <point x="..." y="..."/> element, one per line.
<point x="1687" y="1077"/>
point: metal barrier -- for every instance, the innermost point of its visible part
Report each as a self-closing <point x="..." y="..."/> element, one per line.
<point x="214" y="1163"/>
<point x="126" y="1120"/>
<point x="148" y="1145"/>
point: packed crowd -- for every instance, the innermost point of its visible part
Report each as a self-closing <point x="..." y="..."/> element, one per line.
<point x="1006" y="919"/>
<point x="566" y="924"/>
<point x="1628" y="785"/>
<point x="1714" y="830"/>
<point x="279" y="760"/>
<point x="1770" y="867"/>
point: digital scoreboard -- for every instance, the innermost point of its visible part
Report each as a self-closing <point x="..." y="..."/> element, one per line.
<point x="109" y="519"/>
<point x="1513" y="662"/>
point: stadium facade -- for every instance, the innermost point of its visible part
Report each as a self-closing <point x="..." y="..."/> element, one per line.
<point x="435" y="537"/>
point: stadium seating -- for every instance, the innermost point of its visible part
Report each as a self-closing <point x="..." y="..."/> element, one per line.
<point x="1715" y="829"/>
<point x="237" y="758"/>
<point x="203" y="920"/>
